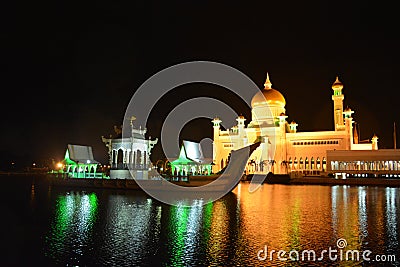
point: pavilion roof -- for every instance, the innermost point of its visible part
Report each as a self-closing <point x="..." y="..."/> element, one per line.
<point x="79" y="154"/>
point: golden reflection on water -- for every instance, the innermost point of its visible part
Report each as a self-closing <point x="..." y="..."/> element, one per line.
<point x="315" y="217"/>
<point x="280" y="217"/>
<point x="132" y="229"/>
<point x="218" y="231"/>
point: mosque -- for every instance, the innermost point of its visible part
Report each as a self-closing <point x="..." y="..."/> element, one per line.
<point x="283" y="149"/>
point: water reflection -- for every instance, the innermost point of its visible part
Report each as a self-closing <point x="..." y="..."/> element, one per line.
<point x="392" y="218"/>
<point x="132" y="229"/>
<point x="72" y="227"/>
<point x="32" y="198"/>
<point x="362" y="213"/>
<point x="132" y="225"/>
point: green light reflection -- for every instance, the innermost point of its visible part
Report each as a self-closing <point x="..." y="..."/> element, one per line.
<point x="74" y="213"/>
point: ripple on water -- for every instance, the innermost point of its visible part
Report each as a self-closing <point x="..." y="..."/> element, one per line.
<point x="112" y="229"/>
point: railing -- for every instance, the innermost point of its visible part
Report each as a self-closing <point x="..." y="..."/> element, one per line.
<point x="124" y="166"/>
<point x="179" y="178"/>
<point x="79" y="175"/>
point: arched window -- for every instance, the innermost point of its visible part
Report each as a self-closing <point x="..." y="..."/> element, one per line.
<point x="301" y="164"/>
<point x="145" y="159"/>
<point x="138" y="159"/>
<point x="290" y="163"/>
<point x="318" y="163"/>
<point x="120" y="158"/>
<point x="306" y="164"/>
<point x="324" y="164"/>
<point x="295" y="163"/>
<point x="312" y="163"/>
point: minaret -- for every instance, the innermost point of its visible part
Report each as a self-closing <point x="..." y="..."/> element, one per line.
<point x="280" y="149"/>
<point x="356" y="136"/>
<point x="293" y="127"/>
<point x="374" y="141"/>
<point x="240" y="124"/>
<point x="216" y="125"/>
<point x="348" y="127"/>
<point x="337" y="98"/>
<point x="241" y="131"/>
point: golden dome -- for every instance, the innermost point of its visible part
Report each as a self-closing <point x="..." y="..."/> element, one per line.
<point x="268" y="96"/>
<point x="337" y="85"/>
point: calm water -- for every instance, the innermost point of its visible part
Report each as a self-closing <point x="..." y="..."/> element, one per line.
<point x="59" y="226"/>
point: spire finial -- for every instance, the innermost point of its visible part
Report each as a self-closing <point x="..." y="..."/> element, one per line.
<point x="337" y="85"/>
<point x="267" y="84"/>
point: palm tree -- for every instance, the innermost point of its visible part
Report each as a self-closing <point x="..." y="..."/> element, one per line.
<point x="270" y="162"/>
<point x="285" y="164"/>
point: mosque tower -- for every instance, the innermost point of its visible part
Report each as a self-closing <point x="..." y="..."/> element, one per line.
<point x="216" y="126"/>
<point x="337" y="98"/>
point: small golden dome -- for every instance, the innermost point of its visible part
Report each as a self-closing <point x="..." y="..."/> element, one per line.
<point x="337" y="85"/>
<point x="268" y="96"/>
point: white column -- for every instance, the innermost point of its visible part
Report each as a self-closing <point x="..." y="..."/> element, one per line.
<point x="114" y="157"/>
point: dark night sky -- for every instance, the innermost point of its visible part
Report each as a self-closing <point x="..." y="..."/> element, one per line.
<point x="69" y="70"/>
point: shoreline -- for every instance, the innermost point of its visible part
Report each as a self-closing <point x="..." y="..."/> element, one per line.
<point x="306" y="180"/>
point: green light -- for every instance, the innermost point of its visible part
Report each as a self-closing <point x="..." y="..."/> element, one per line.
<point x="337" y="92"/>
<point x="207" y="218"/>
<point x="184" y="163"/>
<point x="59" y="230"/>
<point x="74" y="213"/>
<point x="93" y="202"/>
<point x="68" y="160"/>
<point x="179" y="219"/>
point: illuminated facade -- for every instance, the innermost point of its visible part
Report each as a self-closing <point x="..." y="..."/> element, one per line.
<point x="130" y="153"/>
<point x="375" y="163"/>
<point x="191" y="161"/>
<point x="283" y="149"/>
<point x="80" y="163"/>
